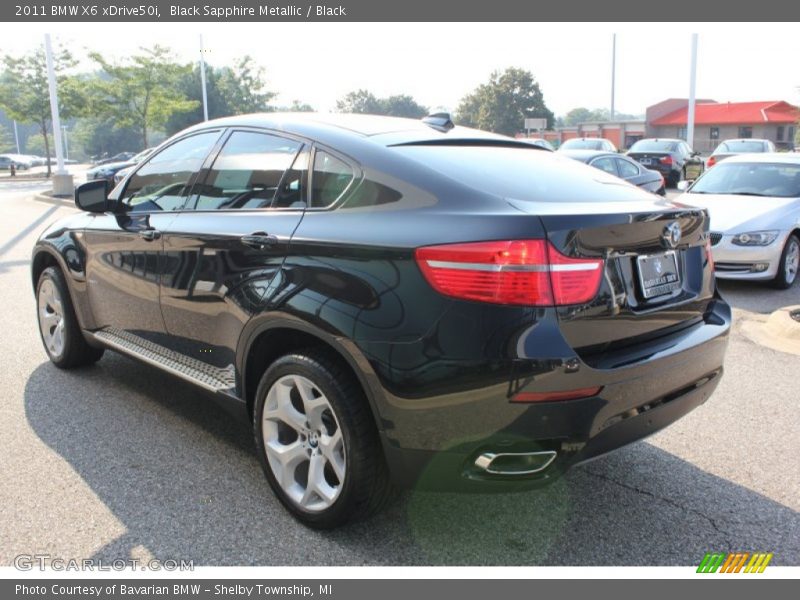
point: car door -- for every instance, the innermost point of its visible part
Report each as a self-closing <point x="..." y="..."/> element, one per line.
<point x="124" y="248"/>
<point x="224" y="249"/>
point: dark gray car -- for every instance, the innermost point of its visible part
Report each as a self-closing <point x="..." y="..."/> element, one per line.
<point x="622" y="167"/>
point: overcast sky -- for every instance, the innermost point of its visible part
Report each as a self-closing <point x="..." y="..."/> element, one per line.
<point x="438" y="63"/>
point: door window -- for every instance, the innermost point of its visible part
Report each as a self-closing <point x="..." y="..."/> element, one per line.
<point x="247" y="172"/>
<point x="606" y="163"/>
<point x="162" y="182"/>
<point x="626" y="169"/>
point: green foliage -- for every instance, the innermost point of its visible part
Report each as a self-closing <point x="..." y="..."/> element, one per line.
<point x="96" y="137"/>
<point x="141" y="93"/>
<point x="365" y="102"/>
<point x="230" y="91"/>
<point x="503" y="104"/>
<point x="7" y="143"/>
<point x="24" y="93"/>
<point x="298" y="106"/>
<point x="35" y="145"/>
<point x="585" y="115"/>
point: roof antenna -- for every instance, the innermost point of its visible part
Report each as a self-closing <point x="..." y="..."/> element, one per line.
<point x="440" y="121"/>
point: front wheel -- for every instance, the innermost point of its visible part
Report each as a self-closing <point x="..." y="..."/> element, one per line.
<point x="58" y="325"/>
<point x="789" y="264"/>
<point x="317" y="441"/>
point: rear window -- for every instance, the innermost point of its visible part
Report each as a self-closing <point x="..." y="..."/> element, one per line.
<point x="654" y="146"/>
<point x="582" y="145"/>
<point x="743" y="146"/>
<point x="522" y="173"/>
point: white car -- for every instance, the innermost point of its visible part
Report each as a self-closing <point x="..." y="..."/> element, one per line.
<point x="754" y="204"/>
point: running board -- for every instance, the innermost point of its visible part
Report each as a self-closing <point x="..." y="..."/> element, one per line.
<point x="195" y="371"/>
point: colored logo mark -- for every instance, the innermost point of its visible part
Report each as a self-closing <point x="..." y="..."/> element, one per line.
<point x="734" y="562"/>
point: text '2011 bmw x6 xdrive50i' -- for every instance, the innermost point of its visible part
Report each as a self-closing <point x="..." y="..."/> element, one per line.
<point x="392" y="302"/>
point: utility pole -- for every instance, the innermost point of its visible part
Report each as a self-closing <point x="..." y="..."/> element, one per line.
<point x="203" y="79"/>
<point x="66" y="142"/>
<point x="692" y="83"/>
<point x="613" y="71"/>
<point x="16" y="137"/>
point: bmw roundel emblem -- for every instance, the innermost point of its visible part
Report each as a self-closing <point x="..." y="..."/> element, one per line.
<point x="672" y="234"/>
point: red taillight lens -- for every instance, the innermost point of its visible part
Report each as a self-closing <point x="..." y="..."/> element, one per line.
<point x="520" y="272"/>
<point x="667" y="160"/>
<point x="556" y="396"/>
<point x="712" y="160"/>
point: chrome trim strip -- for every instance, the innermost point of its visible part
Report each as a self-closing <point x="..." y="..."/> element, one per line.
<point x="485" y="460"/>
<point x="444" y="264"/>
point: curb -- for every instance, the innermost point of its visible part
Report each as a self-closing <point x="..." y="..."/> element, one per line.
<point x="779" y="331"/>
<point x="46" y="197"/>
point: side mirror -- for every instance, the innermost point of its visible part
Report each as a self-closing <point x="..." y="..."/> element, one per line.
<point x="683" y="185"/>
<point x="92" y="196"/>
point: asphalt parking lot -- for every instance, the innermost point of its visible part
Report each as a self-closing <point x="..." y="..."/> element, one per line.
<point x="119" y="460"/>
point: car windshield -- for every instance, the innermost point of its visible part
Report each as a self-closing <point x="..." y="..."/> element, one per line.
<point x="654" y="146"/>
<point x="751" y="179"/>
<point x="741" y="146"/>
<point x="582" y="145"/>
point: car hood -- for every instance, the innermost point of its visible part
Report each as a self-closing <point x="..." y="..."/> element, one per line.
<point x="732" y="213"/>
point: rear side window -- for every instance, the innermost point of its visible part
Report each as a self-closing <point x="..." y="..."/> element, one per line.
<point x="626" y="168"/>
<point x="605" y="164"/>
<point x="162" y="182"/>
<point x="247" y="172"/>
<point x="330" y="179"/>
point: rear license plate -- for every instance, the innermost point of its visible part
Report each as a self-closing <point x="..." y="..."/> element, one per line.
<point x="658" y="274"/>
<point x="645" y="161"/>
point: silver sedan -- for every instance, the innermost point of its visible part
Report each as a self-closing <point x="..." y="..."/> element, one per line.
<point x="754" y="204"/>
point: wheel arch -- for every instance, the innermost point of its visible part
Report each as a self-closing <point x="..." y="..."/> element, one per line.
<point x="266" y="339"/>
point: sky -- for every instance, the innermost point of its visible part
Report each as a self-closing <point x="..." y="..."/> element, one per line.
<point x="438" y="63"/>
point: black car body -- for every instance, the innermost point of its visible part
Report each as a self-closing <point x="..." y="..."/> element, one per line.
<point x="106" y="171"/>
<point x="673" y="158"/>
<point x="622" y="167"/>
<point x="504" y="312"/>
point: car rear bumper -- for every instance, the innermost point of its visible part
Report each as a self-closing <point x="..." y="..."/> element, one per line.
<point x="635" y="401"/>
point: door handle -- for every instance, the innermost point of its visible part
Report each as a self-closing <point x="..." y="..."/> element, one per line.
<point x="149" y="234"/>
<point x="259" y="240"/>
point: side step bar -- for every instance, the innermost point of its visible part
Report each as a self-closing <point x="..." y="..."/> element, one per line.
<point x="212" y="378"/>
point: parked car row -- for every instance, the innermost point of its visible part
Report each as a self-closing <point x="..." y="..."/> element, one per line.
<point x="108" y="170"/>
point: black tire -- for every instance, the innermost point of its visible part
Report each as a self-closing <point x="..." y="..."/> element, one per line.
<point x="366" y="488"/>
<point x="674" y="178"/>
<point x="784" y="281"/>
<point x="75" y="351"/>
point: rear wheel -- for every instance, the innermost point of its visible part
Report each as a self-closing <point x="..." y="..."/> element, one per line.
<point x="317" y="441"/>
<point x="58" y="325"/>
<point x="789" y="264"/>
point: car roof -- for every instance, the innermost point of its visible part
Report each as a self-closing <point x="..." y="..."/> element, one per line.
<point x="331" y="127"/>
<point x="791" y="158"/>
<point x="744" y="140"/>
<point x="659" y="139"/>
<point x="586" y="155"/>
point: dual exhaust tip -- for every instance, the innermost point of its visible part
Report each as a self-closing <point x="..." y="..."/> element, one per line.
<point x="515" y="463"/>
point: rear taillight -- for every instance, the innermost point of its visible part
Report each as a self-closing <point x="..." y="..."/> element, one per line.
<point x="520" y="272"/>
<point x="667" y="160"/>
<point x="712" y="160"/>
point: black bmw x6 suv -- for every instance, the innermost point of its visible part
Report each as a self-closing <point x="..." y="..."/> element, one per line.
<point x="392" y="302"/>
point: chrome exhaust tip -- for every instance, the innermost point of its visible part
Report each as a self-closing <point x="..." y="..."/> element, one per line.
<point x="515" y="463"/>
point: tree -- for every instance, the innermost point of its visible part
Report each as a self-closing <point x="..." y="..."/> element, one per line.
<point x="24" y="93"/>
<point x="244" y="88"/>
<point x="365" y="102"/>
<point x="585" y="115"/>
<point x="6" y="140"/>
<point x="503" y="104"/>
<point x="229" y="90"/>
<point x="403" y="106"/>
<point x="143" y="93"/>
<point x="298" y="106"/>
<point x="361" y="102"/>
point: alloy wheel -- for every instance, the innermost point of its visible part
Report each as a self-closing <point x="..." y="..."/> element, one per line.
<point x="51" y="317"/>
<point x="792" y="261"/>
<point x="304" y="443"/>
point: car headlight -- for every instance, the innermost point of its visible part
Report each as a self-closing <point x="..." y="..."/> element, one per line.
<point x="755" y="238"/>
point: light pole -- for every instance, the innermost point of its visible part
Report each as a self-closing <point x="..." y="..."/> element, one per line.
<point x="62" y="181"/>
<point x="16" y="137"/>
<point x="203" y="79"/>
<point x="692" y="83"/>
<point x="613" y="71"/>
<point x="66" y="142"/>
